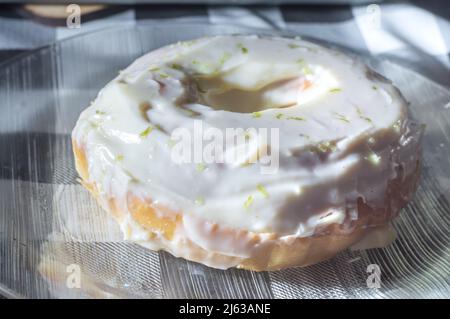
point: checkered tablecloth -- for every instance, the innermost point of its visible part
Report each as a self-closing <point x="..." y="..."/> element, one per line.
<point x="417" y="33"/>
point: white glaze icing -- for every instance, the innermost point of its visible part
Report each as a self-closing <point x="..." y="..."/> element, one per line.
<point x="361" y="114"/>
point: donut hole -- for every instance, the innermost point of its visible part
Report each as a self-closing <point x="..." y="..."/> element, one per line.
<point x="219" y="95"/>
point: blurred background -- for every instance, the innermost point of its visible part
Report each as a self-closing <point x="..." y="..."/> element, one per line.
<point x="415" y="33"/>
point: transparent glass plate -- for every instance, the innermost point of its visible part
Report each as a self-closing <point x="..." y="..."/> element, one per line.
<point x="56" y="242"/>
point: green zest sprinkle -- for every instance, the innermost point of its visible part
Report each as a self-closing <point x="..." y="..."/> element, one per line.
<point x="256" y="114"/>
<point x="159" y="128"/>
<point x="188" y="112"/>
<point x="203" y="67"/>
<point x="305" y="136"/>
<point x="146" y="132"/>
<point x="279" y="116"/>
<point x="262" y="190"/>
<point x="176" y="66"/>
<point x="201" y="167"/>
<point x="327" y="147"/>
<point x="374" y="88"/>
<point x="249" y="201"/>
<point x="98" y="112"/>
<point x="199" y="201"/>
<point x="373" y="158"/>
<point x="293" y="46"/>
<point x="171" y="143"/>
<point x="396" y="126"/>
<point x="161" y="74"/>
<point x="301" y="62"/>
<point x="187" y="44"/>
<point x="128" y="173"/>
<point x="307" y="70"/>
<point x="119" y="158"/>
<point x="297" y="118"/>
<point x="362" y="116"/>
<point x="341" y="117"/>
<point x="225" y="57"/>
<point x="243" y="49"/>
<point x="335" y="90"/>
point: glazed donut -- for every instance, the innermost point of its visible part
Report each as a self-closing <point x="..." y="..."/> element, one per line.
<point x="343" y="159"/>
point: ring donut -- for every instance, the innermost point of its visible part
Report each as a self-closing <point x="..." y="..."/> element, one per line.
<point x="344" y="158"/>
